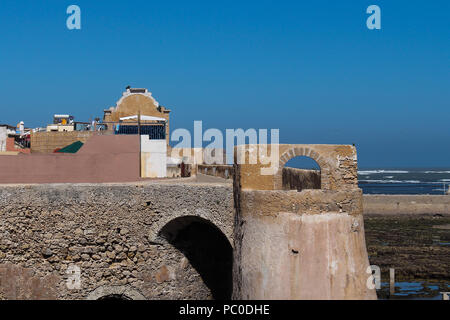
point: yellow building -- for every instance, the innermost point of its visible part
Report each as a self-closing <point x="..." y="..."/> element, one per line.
<point x="137" y="101"/>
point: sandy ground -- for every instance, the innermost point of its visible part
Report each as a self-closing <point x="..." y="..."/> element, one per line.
<point x="406" y="204"/>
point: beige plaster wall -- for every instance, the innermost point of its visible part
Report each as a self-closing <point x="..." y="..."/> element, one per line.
<point x="338" y="164"/>
<point x="300" y="245"/>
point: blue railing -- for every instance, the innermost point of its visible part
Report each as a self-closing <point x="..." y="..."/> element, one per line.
<point x="155" y="132"/>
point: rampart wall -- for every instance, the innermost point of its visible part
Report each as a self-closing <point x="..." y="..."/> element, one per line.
<point x="155" y="241"/>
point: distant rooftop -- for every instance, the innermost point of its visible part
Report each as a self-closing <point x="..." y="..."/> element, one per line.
<point x="8" y="126"/>
<point x="137" y="90"/>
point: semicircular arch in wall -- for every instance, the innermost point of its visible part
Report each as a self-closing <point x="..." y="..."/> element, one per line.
<point x="125" y="292"/>
<point x="218" y="220"/>
<point x="207" y="249"/>
<point x="303" y="152"/>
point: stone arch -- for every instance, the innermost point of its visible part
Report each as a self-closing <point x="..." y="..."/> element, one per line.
<point x="126" y="292"/>
<point x="207" y="249"/>
<point x="223" y="223"/>
<point x="298" y="151"/>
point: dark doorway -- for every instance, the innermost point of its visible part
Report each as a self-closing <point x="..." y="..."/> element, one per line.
<point x="207" y="249"/>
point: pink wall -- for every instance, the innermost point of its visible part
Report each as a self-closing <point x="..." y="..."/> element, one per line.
<point x="104" y="158"/>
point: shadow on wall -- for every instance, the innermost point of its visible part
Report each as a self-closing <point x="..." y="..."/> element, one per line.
<point x="207" y="249"/>
<point x="300" y="179"/>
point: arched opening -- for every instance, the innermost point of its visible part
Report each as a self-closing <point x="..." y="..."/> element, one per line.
<point x="106" y="292"/>
<point x="301" y="173"/>
<point x="207" y="249"/>
<point x="114" y="297"/>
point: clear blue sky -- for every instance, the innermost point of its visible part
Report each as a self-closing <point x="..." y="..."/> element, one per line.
<point x="310" y="68"/>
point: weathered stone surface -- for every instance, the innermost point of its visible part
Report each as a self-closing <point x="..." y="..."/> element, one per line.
<point x="87" y="241"/>
<point x="338" y="164"/>
<point x="23" y="283"/>
<point x="300" y="245"/>
<point x="45" y="230"/>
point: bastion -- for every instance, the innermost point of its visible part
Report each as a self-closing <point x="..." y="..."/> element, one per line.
<point x="130" y="241"/>
<point x="299" y="245"/>
<point x="258" y="238"/>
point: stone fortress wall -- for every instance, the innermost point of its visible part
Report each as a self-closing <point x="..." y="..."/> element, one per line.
<point x="112" y="233"/>
<point x="288" y="234"/>
<point x="299" y="245"/>
<point x="176" y="239"/>
<point x="293" y="178"/>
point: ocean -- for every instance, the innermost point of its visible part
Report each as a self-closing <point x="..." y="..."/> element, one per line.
<point x="407" y="181"/>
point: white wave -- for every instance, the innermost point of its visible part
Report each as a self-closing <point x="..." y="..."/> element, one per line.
<point x="444" y="180"/>
<point x="391" y="181"/>
<point x="365" y="172"/>
<point x="388" y="177"/>
<point x="436" y="172"/>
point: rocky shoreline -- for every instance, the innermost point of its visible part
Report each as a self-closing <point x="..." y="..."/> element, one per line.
<point x="417" y="246"/>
